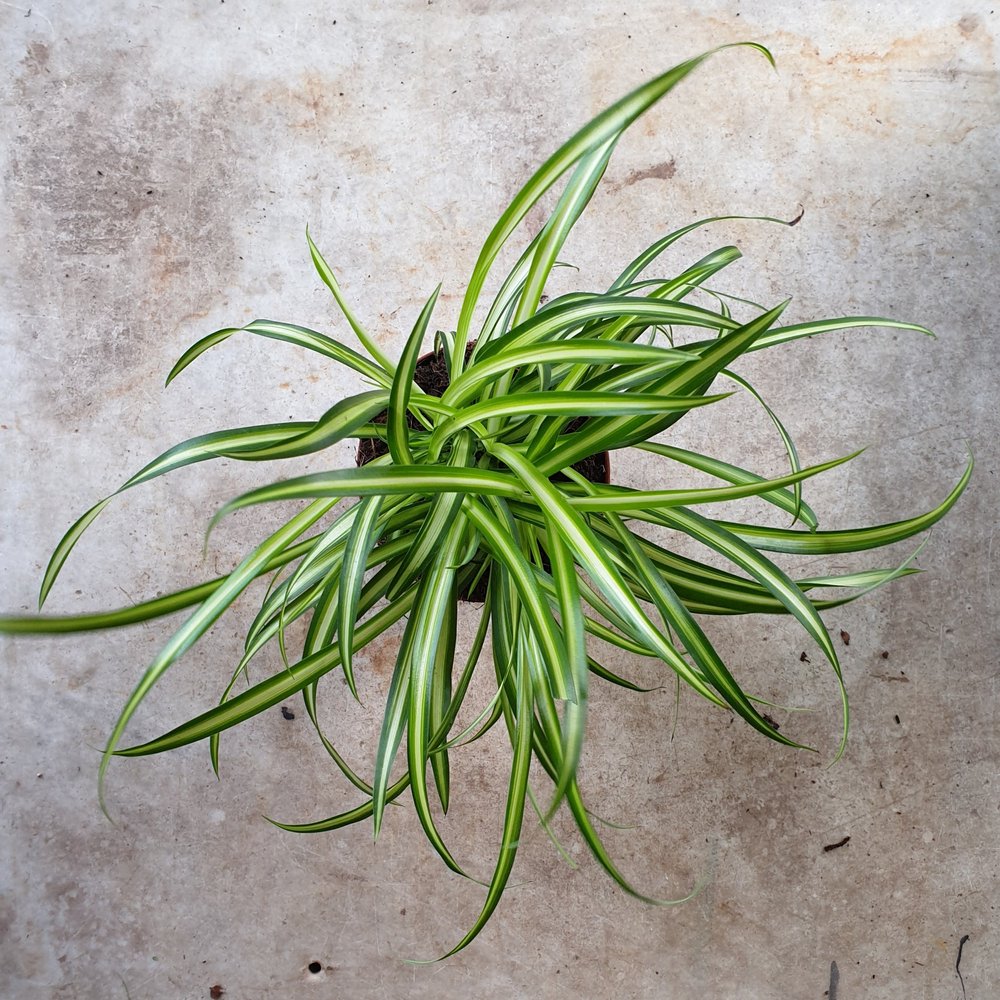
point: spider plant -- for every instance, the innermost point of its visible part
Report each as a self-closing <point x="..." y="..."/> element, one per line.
<point x="478" y="488"/>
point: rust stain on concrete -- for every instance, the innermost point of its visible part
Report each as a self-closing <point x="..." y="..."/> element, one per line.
<point x="659" y="171"/>
<point x="940" y="62"/>
<point x="308" y="102"/>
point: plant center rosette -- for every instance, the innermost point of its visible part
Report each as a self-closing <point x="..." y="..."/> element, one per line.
<point x="431" y="376"/>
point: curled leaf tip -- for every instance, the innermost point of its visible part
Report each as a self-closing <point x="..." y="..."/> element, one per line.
<point x="757" y="46"/>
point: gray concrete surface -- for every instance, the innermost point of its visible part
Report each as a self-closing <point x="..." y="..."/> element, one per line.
<point x="161" y="162"/>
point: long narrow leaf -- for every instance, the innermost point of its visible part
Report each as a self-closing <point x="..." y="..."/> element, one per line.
<point x="570" y="403"/>
<point x="851" y="539"/>
<point x="605" y="126"/>
<point x="774" y="579"/>
<point x="399" y="395"/>
<point x="574" y="200"/>
<point x="591" y="556"/>
<point x="202" y="619"/>
<point x="330" y="280"/>
<point x="290" y="333"/>
<point x="269" y="692"/>
<point x="733" y="474"/>
<point x="696" y="375"/>
<point x="435" y="594"/>
<point x="359" y="544"/>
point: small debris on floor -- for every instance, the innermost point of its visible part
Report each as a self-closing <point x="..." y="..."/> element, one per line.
<point x="840" y="843"/>
<point x="845" y="637"/>
<point x="958" y="962"/>
<point x="803" y="658"/>
<point x="834" y="982"/>
<point x="287" y="713"/>
<point x="216" y="992"/>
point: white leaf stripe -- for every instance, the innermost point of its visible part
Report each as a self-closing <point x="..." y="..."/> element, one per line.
<point x="771" y="577"/>
<point x="589" y="552"/>
<point x="426" y="542"/>
<point x="563" y="318"/>
<point x="505" y="550"/>
<point x="850" y="539"/>
<point x="637" y="266"/>
<point x="435" y="592"/>
<point x="566" y="403"/>
<point x="390" y="480"/>
<point x="677" y="288"/>
<point x="339" y="422"/>
<point x="636" y="502"/>
<point x="786" y="334"/>
<point x="393" y="722"/>
<point x="600" y="433"/>
<point x="734" y="474"/>
<point x="577" y="667"/>
<point x="197" y="449"/>
<point x="574" y="200"/>
<point x="693" y="639"/>
<point x="399" y="394"/>
<point x="363" y="535"/>
<point x="608" y="124"/>
<point x="562" y="353"/>
<point x="202" y="619"/>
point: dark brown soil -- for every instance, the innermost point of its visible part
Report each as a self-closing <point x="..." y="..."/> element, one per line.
<point x="431" y="374"/>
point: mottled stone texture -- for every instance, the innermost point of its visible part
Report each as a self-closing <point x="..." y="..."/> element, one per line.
<point x="161" y="162"/>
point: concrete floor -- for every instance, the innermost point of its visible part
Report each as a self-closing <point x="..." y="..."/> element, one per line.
<point x="161" y="163"/>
